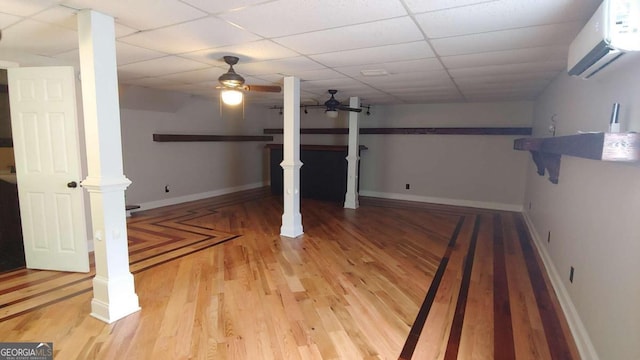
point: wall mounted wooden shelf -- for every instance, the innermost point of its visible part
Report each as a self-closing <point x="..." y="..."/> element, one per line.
<point x="317" y="147"/>
<point x="192" y="138"/>
<point x="546" y="152"/>
<point x="414" y="131"/>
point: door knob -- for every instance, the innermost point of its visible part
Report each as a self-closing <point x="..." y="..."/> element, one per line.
<point x="72" y="185"/>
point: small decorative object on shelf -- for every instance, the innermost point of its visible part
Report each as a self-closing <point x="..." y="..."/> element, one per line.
<point x="614" y="125"/>
<point x="546" y="152"/>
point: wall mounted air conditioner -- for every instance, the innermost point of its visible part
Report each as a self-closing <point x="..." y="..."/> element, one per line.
<point x="612" y="30"/>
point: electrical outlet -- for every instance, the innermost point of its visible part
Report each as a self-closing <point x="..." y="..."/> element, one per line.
<point x="571" y="275"/>
<point x="549" y="237"/>
<point x="166" y="188"/>
<point x="407" y="186"/>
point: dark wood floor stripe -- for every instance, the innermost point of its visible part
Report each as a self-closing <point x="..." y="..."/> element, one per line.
<point x="185" y="254"/>
<point x="421" y="318"/>
<point x="458" y="318"/>
<point x="558" y="346"/>
<point x="49" y="290"/>
<point x="89" y="285"/>
<point x="504" y="349"/>
<point x="52" y="276"/>
<point x="45" y="304"/>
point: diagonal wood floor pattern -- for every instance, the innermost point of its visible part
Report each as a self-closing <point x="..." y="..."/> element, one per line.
<point x="392" y="280"/>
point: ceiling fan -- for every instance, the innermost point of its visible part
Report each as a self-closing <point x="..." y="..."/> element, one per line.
<point x="332" y="106"/>
<point x="233" y="84"/>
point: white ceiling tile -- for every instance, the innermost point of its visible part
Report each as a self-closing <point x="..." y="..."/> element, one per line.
<point x="195" y="76"/>
<point x="67" y="17"/>
<point x="321" y="86"/>
<point x="326" y="45"/>
<point x="512" y="14"/>
<point x="124" y="30"/>
<point x="415" y="79"/>
<point x="508" y="69"/>
<point x="39" y="38"/>
<point x="394" y="67"/>
<point x="388" y="53"/>
<point x="160" y="66"/>
<point x="528" y="84"/>
<point x="506" y="78"/>
<point x="247" y="52"/>
<point x="543" y="53"/>
<point x="385" y="32"/>
<point x="556" y="34"/>
<point x="6" y="20"/>
<point x="26" y="7"/>
<point x="142" y="14"/>
<point x="72" y="56"/>
<point x="288" y="17"/>
<point x="60" y="16"/>
<point x="288" y="66"/>
<point x="319" y="74"/>
<point x="126" y="54"/>
<point x="422" y="89"/>
<point x="214" y="7"/>
<point x="418" y="6"/>
<point x="190" y="36"/>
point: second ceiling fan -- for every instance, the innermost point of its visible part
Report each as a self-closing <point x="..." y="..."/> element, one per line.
<point x="232" y="84"/>
<point x="333" y="105"/>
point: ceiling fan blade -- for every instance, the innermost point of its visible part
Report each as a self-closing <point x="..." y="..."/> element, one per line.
<point x="349" y="109"/>
<point x="263" y="88"/>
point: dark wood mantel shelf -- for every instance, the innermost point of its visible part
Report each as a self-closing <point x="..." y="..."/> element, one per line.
<point x="546" y="152"/>
<point x="191" y="138"/>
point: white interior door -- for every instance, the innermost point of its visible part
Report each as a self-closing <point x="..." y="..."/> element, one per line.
<point x="46" y="146"/>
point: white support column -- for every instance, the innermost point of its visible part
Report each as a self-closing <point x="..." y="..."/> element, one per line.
<point x="291" y="164"/>
<point x="353" y="158"/>
<point x="114" y="294"/>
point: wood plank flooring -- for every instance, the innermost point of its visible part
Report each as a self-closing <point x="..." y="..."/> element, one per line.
<point x="391" y="280"/>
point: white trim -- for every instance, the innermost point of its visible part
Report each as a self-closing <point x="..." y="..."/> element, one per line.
<point x="583" y="341"/>
<point x="199" y="196"/>
<point x="445" y="201"/>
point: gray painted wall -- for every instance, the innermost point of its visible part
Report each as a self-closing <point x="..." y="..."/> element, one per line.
<point x="592" y="213"/>
<point x="458" y="169"/>
<point x="186" y="167"/>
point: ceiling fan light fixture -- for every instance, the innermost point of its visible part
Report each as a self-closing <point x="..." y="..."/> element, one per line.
<point x="231" y="96"/>
<point x="231" y="79"/>
<point x="331" y="114"/>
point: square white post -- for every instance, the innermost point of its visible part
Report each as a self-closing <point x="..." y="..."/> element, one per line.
<point x="114" y="294"/>
<point x="353" y="157"/>
<point x="291" y="164"/>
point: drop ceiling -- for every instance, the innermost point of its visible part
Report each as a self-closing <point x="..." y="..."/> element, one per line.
<point x="427" y="51"/>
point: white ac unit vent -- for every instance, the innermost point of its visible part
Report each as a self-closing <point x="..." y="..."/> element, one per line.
<point x="612" y="30"/>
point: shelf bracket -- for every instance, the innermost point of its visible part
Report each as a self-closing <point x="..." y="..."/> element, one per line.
<point x="550" y="162"/>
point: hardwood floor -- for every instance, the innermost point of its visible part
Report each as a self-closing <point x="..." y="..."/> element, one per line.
<point x="391" y="280"/>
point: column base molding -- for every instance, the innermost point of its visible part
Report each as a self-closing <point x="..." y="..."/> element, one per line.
<point x="110" y="309"/>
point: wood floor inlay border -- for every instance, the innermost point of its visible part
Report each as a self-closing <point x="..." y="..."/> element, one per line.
<point x="502" y="321"/>
<point x="418" y="324"/>
<point x="558" y="346"/>
<point x="37" y="289"/>
<point x="461" y="305"/>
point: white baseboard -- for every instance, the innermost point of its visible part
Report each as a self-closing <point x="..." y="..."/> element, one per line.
<point x="445" y="201"/>
<point x="580" y="335"/>
<point x="199" y="196"/>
